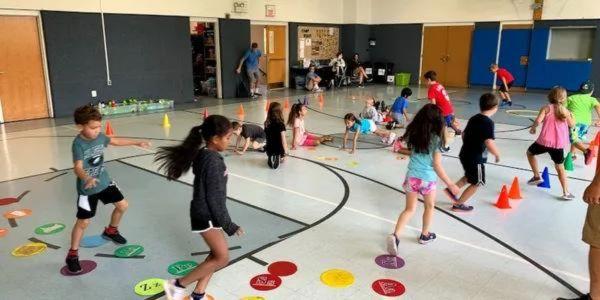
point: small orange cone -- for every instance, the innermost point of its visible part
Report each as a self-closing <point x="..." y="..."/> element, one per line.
<point x="515" y="190"/>
<point x="267" y="106"/>
<point x="241" y="110"/>
<point x="503" y="199"/>
<point x="205" y="113"/>
<point x="109" y="130"/>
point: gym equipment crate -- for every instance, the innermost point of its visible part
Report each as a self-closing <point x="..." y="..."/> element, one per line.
<point x="118" y="109"/>
<point x="159" y="105"/>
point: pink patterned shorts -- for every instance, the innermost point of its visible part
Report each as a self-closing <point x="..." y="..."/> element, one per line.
<point x="420" y="186"/>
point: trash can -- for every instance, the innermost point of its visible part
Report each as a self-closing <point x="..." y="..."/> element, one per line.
<point x="402" y="79"/>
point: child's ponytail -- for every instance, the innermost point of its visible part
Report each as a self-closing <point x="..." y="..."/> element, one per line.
<point x="558" y="96"/>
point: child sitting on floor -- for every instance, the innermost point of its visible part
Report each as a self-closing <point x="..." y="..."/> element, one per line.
<point x="371" y="112"/>
<point x="299" y="135"/>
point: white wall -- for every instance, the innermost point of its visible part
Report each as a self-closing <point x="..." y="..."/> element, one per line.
<point x="317" y="11"/>
<point x="357" y="11"/>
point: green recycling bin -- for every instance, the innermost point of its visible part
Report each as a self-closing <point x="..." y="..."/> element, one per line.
<point x="402" y="79"/>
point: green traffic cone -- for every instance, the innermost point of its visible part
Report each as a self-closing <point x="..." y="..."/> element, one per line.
<point x="569" y="162"/>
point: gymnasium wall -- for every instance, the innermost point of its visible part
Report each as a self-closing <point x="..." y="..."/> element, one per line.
<point x="399" y="44"/>
<point x="355" y="39"/>
<point x="149" y="57"/>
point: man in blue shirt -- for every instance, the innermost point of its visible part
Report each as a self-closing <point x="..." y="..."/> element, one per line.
<point x="251" y="58"/>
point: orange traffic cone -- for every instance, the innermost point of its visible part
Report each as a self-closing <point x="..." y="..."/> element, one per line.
<point x="109" y="130"/>
<point x="503" y="199"/>
<point x="515" y="190"/>
<point x="241" y="110"/>
<point x="205" y="113"/>
<point x="267" y="106"/>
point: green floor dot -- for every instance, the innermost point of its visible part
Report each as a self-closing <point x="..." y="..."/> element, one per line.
<point x="181" y="268"/>
<point x="129" y="251"/>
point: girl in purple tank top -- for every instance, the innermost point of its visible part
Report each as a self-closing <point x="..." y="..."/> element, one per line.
<point x="553" y="138"/>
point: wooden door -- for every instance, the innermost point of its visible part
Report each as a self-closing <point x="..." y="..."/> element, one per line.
<point x="276" y="54"/>
<point x="458" y="56"/>
<point x="435" y="41"/>
<point x="22" y="84"/>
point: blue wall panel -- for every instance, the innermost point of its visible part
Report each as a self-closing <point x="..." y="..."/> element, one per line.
<point x="514" y="44"/>
<point x="483" y="53"/>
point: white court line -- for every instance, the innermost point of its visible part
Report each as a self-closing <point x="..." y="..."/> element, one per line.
<point x="512" y="257"/>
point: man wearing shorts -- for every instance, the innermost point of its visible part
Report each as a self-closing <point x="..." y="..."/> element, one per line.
<point x="506" y="81"/>
<point x="251" y="58"/>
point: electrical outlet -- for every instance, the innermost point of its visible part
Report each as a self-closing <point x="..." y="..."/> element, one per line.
<point x="94" y="94"/>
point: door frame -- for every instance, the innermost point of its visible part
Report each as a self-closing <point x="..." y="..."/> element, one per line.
<point x="423" y="38"/>
<point x="286" y="84"/>
<point x="218" y="50"/>
<point x="37" y="15"/>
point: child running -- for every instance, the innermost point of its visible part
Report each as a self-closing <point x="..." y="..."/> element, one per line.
<point x="506" y="82"/>
<point x="275" y="131"/>
<point x="424" y="136"/>
<point x="581" y="106"/>
<point x="478" y="138"/>
<point x="299" y="135"/>
<point x="437" y="95"/>
<point x="553" y="138"/>
<point x="364" y="126"/>
<point x="399" y="109"/>
<point x="208" y="211"/>
<point x="93" y="182"/>
<point x="252" y="134"/>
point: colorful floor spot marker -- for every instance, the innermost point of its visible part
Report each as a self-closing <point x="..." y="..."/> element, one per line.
<point x="149" y="287"/>
<point x="129" y="251"/>
<point x="29" y="249"/>
<point x="265" y="282"/>
<point x="352" y="164"/>
<point x="181" y="268"/>
<point x="51" y="228"/>
<point x="282" y="268"/>
<point x="86" y="267"/>
<point x="92" y="241"/>
<point x="16" y="214"/>
<point x="254" y="298"/>
<point x="3" y="232"/>
<point x="388" y="287"/>
<point x="337" y="278"/>
<point x="389" y="261"/>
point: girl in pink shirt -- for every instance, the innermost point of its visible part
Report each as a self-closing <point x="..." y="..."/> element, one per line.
<point x="299" y="135"/>
<point x="553" y="138"/>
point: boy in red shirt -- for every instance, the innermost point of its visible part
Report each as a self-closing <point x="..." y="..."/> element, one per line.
<point x="506" y="80"/>
<point x="437" y="95"/>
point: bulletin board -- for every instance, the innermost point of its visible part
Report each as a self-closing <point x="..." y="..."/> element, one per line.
<point x="318" y="42"/>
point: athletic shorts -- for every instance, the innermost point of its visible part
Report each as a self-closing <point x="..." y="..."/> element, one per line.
<point x="474" y="172"/>
<point x="253" y="75"/>
<point x="204" y="225"/>
<point x="87" y="204"/>
<point x="449" y="119"/>
<point x="557" y="155"/>
<point x="503" y="89"/>
<point x="591" y="228"/>
<point x="579" y="133"/>
<point x="419" y="186"/>
<point x="399" y="118"/>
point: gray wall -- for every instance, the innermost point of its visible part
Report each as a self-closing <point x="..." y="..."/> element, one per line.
<point x="234" y="37"/>
<point x="355" y="39"/>
<point x="150" y="57"/>
<point x="399" y="44"/>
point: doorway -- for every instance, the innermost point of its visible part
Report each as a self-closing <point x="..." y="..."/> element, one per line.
<point x="447" y="51"/>
<point x="204" y="59"/>
<point x="23" y="93"/>
<point x="514" y="51"/>
<point x="271" y="40"/>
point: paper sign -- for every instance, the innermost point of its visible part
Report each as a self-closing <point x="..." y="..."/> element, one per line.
<point x="369" y="71"/>
<point x="380" y="72"/>
<point x="271" y="42"/>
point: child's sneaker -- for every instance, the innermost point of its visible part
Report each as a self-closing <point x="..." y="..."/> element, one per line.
<point x="73" y="265"/>
<point x="172" y="291"/>
<point x="462" y="208"/>
<point x="424" y="239"/>
<point x="112" y="233"/>
<point x="588" y="157"/>
<point x="535" y="180"/>
<point x="392" y="244"/>
<point x="568" y="196"/>
<point x="445" y="149"/>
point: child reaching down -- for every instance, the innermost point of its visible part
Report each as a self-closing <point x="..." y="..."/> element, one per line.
<point x="364" y="126"/>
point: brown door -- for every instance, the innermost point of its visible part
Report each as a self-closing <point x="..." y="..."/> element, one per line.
<point x="22" y="84"/>
<point x="458" y="56"/>
<point x="435" y="43"/>
<point x="275" y="52"/>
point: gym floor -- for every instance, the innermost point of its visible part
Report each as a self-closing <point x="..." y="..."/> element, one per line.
<point x="322" y="209"/>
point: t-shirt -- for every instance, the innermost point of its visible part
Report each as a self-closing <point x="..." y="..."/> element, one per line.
<point x="479" y="129"/>
<point x="252" y="132"/>
<point x="371" y="113"/>
<point x="311" y="75"/>
<point x="365" y="126"/>
<point x="400" y="105"/>
<point x="581" y="106"/>
<point x="299" y="123"/>
<point x="442" y="100"/>
<point x="274" y="143"/>
<point x="421" y="164"/>
<point x="91" y="153"/>
<point x="503" y="73"/>
<point x="251" y="59"/>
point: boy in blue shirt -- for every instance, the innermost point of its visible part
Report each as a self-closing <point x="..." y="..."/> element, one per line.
<point x="399" y="108"/>
<point x="93" y="182"/>
<point x="251" y="58"/>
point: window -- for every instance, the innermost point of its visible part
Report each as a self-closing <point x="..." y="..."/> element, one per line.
<point x="571" y="43"/>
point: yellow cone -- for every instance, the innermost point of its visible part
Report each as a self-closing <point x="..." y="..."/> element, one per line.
<point x="166" y="122"/>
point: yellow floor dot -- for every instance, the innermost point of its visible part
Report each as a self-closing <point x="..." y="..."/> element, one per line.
<point x="29" y="249"/>
<point x="337" y="278"/>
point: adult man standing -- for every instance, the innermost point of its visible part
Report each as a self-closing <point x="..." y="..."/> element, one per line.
<point x="251" y="58"/>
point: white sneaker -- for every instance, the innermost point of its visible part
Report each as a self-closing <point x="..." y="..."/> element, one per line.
<point x="173" y="292"/>
<point x="392" y="244"/>
<point x="392" y="138"/>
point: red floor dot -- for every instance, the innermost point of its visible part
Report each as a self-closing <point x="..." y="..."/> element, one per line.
<point x="388" y="287"/>
<point x="265" y="282"/>
<point x="282" y="268"/>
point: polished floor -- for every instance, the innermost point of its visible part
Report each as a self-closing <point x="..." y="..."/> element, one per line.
<point x="323" y="209"/>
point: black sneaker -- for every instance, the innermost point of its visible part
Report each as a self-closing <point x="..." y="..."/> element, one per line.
<point x="445" y="149"/>
<point x="115" y="237"/>
<point x="462" y="208"/>
<point x="425" y="239"/>
<point x="584" y="297"/>
<point x="73" y="264"/>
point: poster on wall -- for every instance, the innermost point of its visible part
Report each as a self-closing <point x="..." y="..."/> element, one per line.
<point x="270" y="11"/>
<point x="301" y="49"/>
<point x="318" y="43"/>
<point x="271" y="42"/>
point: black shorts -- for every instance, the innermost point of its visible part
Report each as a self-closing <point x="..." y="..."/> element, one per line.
<point x="204" y="225"/>
<point x="111" y="194"/>
<point x="474" y="172"/>
<point x="503" y="89"/>
<point x="557" y="155"/>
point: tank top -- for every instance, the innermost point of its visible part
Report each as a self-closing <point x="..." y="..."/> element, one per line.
<point x="555" y="133"/>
